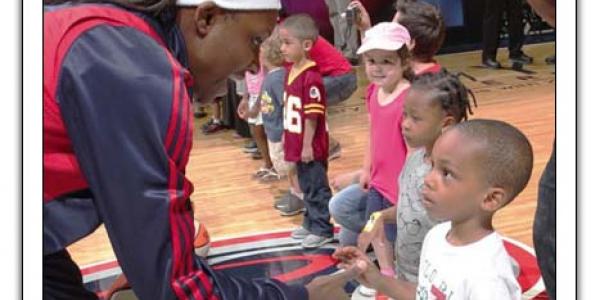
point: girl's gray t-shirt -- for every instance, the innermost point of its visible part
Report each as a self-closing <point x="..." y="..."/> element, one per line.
<point x="412" y="220"/>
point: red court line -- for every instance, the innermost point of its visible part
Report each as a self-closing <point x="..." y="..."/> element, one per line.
<point x="99" y="267"/>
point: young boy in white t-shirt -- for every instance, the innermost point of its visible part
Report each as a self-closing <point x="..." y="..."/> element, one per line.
<point x="478" y="167"/>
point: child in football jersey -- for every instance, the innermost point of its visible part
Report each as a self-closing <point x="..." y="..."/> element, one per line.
<point x="387" y="64"/>
<point x="478" y="167"/>
<point x="305" y="130"/>
<point x="435" y="102"/>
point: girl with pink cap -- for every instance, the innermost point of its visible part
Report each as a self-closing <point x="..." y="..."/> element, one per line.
<point x="386" y="56"/>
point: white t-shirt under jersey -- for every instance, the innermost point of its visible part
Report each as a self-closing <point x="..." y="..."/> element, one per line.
<point x="478" y="271"/>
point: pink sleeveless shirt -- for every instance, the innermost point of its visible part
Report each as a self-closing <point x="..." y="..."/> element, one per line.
<point x="388" y="149"/>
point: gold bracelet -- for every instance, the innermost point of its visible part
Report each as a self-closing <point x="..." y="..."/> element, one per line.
<point x="371" y="223"/>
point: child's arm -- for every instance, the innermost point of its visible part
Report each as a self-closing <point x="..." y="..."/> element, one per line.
<point x="242" y="108"/>
<point x="388" y="215"/>
<point x="331" y="286"/>
<point x="254" y="110"/>
<point x="346" y="179"/>
<point x="396" y="288"/>
<point x="314" y="106"/>
<point x="310" y="126"/>
<point x="376" y="232"/>
<point x="353" y="258"/>
<point x="365" y="177"/>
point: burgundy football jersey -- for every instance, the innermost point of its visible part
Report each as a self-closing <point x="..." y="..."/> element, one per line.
<point x="304" y="99"/>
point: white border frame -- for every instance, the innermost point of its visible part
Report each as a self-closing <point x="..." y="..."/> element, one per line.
<point x="32" y="149"/>
<point x="565" y="111"/>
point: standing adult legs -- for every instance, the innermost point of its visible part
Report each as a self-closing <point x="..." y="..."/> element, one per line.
<point x="544" y="226"/>
<point x="345" y="34"/>
<point x="491" y="30"/>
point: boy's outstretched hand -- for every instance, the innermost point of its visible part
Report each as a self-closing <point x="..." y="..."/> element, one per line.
<point x="331" y="287"/>
<point x="351" y="258"/>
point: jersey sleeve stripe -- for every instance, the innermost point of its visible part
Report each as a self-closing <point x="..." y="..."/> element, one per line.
<point x="314" y="111"/>
<point x="314" y="105"/>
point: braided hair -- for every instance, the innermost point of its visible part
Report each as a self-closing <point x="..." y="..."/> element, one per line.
<point x="447" y="89"/>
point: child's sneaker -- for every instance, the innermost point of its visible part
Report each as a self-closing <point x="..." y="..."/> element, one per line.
<point x="300" y="233"/>
<point x="260" y="173"/>
<point x="270" y="175"/>
<point x="213" y="126"/>
<point x="315" y="241"/>
<point x="207" y="124"/>
<point x="293" y="207"/>
<point x="283" y="201"/>
<point x="256" y="155"/>
<point x="250" y="150"/>
<point x="250" y="147"/>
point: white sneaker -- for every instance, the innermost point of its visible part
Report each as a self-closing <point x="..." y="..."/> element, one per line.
<point x="367" y="292"/>
<point x="300" y="233"/>
<point x="315" y="241"/>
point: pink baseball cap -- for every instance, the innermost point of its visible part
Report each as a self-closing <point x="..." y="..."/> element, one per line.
<point x="385" y="36"/>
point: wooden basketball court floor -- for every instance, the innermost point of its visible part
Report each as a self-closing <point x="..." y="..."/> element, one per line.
<point x="230" y="203"/>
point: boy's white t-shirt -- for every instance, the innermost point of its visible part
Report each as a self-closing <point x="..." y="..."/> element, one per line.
<point x="478" y="271"/>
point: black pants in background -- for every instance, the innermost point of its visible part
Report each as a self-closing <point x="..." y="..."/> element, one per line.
<point x="62" y="278"/>
<point x="492" y="23"/>
<point x="313" y="181"/>
<point x="544" y="226"/>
